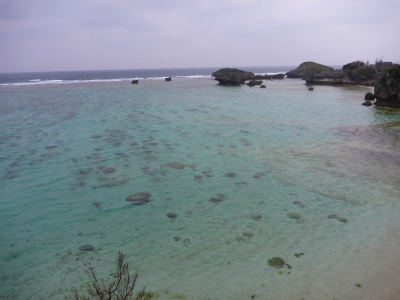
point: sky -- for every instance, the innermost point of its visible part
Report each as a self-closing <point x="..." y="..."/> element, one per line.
<point x="66" y="35"/>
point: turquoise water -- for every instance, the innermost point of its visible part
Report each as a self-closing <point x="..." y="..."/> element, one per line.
<point x="320" y="148"/>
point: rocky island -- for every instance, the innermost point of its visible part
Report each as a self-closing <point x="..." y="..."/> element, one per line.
<point x="229" y="76"/>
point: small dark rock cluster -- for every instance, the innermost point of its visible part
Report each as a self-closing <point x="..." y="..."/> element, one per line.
<point x="139" y="198"/>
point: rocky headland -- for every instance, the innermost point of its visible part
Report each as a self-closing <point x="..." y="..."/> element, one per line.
<point x="387" y="87"/>
<point x="354" y="73"/>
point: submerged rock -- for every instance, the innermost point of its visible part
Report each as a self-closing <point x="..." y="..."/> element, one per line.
<point x="332" y="216"/>
<point x="248" y="234"/>
<point x="87" y="247"/>
<point x="216" y="199"/>
<point x="108" y="170"/>
<point x="299" y="204"/>
<point x="138" y="198"/>
<point x="367" y="103"/>
<point x="256" y="217"/>
<point x="294" y="216"/>
<point x="172" y="215"/>
<point x="177" y="166"/>
<point x="258" y="175"/>
<point x="276" y="262"/>
<point x="230" y="174"/>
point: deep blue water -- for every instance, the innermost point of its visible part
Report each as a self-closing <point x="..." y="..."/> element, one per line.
<point x="117" y="75"/>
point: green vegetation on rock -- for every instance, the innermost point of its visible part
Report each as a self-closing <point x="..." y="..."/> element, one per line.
<point x="307" y="66"/>
<point x="359" y="71"/>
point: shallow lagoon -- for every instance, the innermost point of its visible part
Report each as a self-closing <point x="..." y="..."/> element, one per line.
<point x="320" y="149"/>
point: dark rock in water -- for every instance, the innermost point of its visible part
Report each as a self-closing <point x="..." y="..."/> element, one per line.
<point x="135" y="81"/>
<point x="186" y="241"/>
<point x="138" y="198"/>
<point x="216" y="199"/>
<point x="108" y="170"/>
<point x="87" y="247"/>
<point x="263" y="86"/>
<point x="177" y="166"/>
<point x="177" y="238"/>
<point x="230" y="174"/>
<point x="248" y="234"/>
<point x="276" y="262"/>
<point x="344" y="220"/>
<point x="85" y="171"/>
<point x="168" y="79"/>
<point x="172" y="215"/>
<point x="369" y="96"/>
<point x="256" y="217"/>
<point x="254" y="82"/>
<point x="294" y="216"/>
<point x="310" y="89"/>
<point x="387" y="87"/>
<point x="367" y="103"/>
<point x="258" y="175"/>
<point x="229" y="76"/>
<point x="299" y="204"/>
<point x="96" y="204"/>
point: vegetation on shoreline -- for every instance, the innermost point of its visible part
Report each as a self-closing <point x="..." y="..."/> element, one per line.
<point x="119" y="286"/>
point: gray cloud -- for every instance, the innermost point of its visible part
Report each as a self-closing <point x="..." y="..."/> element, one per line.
<point x="101" y="34"/>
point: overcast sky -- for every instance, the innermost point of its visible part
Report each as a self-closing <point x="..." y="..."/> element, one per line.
<point x="56" y="35"/>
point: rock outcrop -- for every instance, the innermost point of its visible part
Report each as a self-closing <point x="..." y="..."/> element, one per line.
<point x="254" y="82"/>
<point x="369" y="96"/>
<point x="168" y="78"/>
<point x="387" y="87"/>
<point x="309" y="68"/>
<point x="135" y="81"/>
<point x="229" y="76"/>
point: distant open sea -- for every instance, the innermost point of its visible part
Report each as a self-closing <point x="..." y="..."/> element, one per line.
<point x="312" y="177"/>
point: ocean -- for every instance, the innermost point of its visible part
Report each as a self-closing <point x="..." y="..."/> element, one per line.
<point x="251" y="174"/>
